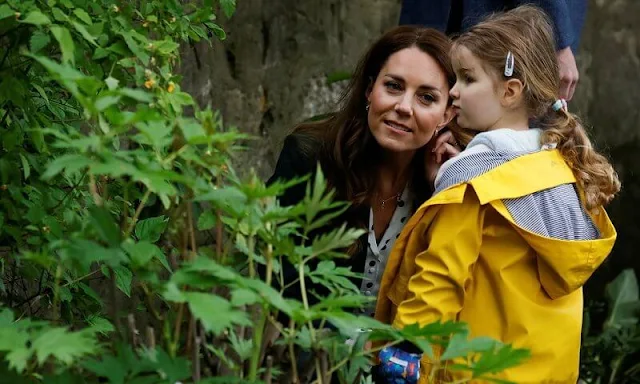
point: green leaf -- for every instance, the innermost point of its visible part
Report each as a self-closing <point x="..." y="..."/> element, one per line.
<point x="5" y="11"/>
<point x="111" y="83"/>
<point x="36" y="18"/>
<point x="498" y="360"/>
<point x="83" y="31"/>
<point x="100" y="325"/>
<point x="12" y="337"/>
<point x="63" y="346"/>
<point x="242" y="296"/>
<point x="104" y="224"/>
<point x="62" y="162"/>
<point x="193" y="132"/>
<point x="136" y="94"/>
<point x="67" y="46"/>
<point x="25" y="166"/>
<point x="58" y="14"/>
<point x="100" y="53"/>
<point x="228" y="7"/>
<point x="104" y="102"/>
<point x="82" y="15"/>
<point x="173" y="369"/>
<point x="151" y="229"/>
<point x="135" y="48"/>
<point x="215" y="313"/>
<point x="217" y="30"/>
<point x="142" y="253"/>
<point x="459" y="346"/>
<point x="38" y="41"/>
<point x="165" y="47"/>
<point x="123" y="279"/>
<point x="623" y="296"/>
<point x="207" y="220"/>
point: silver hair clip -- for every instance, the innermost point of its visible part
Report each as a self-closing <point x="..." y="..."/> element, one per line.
<point x="509" y="64"/>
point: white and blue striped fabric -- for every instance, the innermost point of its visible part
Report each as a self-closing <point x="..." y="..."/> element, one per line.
<point x="555" y="212"/>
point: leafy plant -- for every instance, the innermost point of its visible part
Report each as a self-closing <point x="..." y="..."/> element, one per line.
<point x="131" y="249"/>
<point x="610" y="355"/>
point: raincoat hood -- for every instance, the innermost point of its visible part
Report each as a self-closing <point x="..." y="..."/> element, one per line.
<point x="531" y="187"/>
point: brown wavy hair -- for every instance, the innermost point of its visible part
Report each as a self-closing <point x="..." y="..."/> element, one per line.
<point x="527" y="33"/>
<point x="347" y="151"/>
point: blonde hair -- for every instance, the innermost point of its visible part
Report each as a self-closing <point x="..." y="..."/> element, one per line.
<point x="526" y="32"/>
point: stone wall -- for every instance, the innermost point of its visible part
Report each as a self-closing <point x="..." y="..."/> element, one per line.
<point x="270" y="73"/>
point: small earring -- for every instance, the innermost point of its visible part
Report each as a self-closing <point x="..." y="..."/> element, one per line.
<point x="366" y="108"/>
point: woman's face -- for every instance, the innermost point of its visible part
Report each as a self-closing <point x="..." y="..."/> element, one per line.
<point x="408" y="101"/>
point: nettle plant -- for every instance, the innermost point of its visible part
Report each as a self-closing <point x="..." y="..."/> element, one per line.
<point x="130" y="248"/>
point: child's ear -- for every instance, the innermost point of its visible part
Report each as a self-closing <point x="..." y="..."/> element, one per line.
<point x="513" y="89"/>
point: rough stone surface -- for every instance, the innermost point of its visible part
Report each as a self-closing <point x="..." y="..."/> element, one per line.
<point x="270" y="74"/>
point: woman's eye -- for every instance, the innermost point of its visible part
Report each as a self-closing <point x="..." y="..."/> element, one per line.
<point x="428" y="98"/>
<point x="392" y="85"/>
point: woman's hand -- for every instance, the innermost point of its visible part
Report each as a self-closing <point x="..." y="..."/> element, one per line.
<point x="443" y="148"/>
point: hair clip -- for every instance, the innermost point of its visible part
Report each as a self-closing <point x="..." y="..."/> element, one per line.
<point x="559" y="104"/>
<point x="509" y="64"/>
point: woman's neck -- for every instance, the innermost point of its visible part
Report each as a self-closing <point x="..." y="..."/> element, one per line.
<point x="393" y="173"/>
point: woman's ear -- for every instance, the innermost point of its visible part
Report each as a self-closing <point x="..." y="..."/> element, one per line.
<point x="449" y="114"/>
<point x="512" y="93"/>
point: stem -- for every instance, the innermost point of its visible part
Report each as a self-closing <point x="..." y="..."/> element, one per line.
<point x="136" y="215"/>
<point x="251" y="246"/>
<point x="292" y="357"/>
<point x="257" y="345"/>
<point x="93" y="188"/>
<point x="176" y="331"/>
<point x="56" y="293"/>
<point x="114" y="303"/>
<point x="196" y="349"/>
<point x="192" y="235"/>
<point x="614" y="372"/>
<point x="312" y="331"/>
<point x="81" y="278"/>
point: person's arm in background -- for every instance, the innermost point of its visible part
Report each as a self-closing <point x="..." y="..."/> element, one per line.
<point x="568" y="18"/>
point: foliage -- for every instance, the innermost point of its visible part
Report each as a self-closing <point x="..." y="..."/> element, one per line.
<point x="131" y="250"/>
<point x="610" y="354"/>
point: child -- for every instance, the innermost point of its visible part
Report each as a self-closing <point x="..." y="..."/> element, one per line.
<point x="517" y="224"/>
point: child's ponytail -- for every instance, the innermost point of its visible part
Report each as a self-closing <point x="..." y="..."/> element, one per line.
<point x="595" y="175"/>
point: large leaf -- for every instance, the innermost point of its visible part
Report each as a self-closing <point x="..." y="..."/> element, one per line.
<point x="105" y="225"/>
<point x="142" y="252"/>
<point x="215" y="313"/>
<point x="151" y="229"/>
<point x="64" y="346"/>
<point x="67" y="47"/>
<point x="623" y="296"/>
<point x="228" y="7"/>
<point x="36" y="18"/>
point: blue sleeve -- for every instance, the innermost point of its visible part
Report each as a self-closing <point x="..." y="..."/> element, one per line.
<point x="567" y="17"/>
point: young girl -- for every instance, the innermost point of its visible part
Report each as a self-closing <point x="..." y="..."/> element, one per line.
<point x="517" y="224"/>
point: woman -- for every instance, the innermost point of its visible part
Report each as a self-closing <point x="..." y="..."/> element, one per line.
<point x="381" y="148"/>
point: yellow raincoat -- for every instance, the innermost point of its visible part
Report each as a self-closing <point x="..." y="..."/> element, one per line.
<point x="463" y="257"/>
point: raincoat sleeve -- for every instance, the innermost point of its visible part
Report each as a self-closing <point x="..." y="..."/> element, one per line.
<point x="436" y="290"/>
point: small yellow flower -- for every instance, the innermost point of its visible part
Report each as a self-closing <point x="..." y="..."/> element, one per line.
<point x="116" y="8"/>
<point x="173" y="19"/>
<point x="148" y="73"/>
<point x="145" y="24"/>
<point x="149" y="83"/>
<point x="171" y="87"/>
<point x="18" y="15"/>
